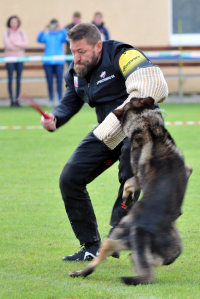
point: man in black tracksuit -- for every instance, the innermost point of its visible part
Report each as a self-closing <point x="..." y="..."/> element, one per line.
<point x="94" y="78"/>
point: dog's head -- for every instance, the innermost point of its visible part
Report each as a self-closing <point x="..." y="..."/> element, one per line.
<point x="133" y="110"/>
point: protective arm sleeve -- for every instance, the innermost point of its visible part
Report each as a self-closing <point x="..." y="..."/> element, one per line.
<point x="145" y="82"/>
<point x="70" y="104"/>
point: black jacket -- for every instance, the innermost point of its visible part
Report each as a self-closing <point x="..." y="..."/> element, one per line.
<point x="105" y="91"/>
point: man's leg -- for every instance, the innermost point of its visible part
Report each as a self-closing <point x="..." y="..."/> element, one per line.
<point x="19" y="68"/>
<point x="89" y="160"/>
<point x="10" y="69"/>
<point x="59" y="78"/>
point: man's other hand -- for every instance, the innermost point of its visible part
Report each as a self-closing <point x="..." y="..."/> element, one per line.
<point x="49" y="124"/>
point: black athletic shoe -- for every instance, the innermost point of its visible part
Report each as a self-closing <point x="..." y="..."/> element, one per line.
<point x="87" y="253"/>
<point x="16" y="104"/>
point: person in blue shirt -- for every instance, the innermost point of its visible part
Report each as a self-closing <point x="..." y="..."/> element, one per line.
<point x="98" y="21"/>
<point x="53" y="37"/>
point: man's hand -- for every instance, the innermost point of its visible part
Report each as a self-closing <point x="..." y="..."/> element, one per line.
<point x="49" y="124"/>
<point x="46" y="28"/>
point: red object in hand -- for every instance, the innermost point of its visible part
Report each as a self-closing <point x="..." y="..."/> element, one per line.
<point x="30" y="101"/>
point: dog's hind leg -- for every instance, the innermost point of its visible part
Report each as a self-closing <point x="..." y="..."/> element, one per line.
<point x="107" y="248"/>
<point x="142" y="259"/>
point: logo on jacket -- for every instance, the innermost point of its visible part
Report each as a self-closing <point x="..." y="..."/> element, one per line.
<point x="76" y="81"/>
<point x="104" y="78"/>
<point x="103" y="74"/>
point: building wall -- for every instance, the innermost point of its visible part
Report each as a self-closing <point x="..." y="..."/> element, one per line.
<point x="136" y="22"/>
<point x="140" y="23"/>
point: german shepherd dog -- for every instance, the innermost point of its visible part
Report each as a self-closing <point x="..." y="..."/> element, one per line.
<point x="160" y="172"/>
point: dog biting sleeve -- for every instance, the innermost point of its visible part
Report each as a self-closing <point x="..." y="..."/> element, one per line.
<point x="143" y="83"/>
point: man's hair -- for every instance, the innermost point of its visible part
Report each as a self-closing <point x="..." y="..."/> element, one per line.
<point x="53" y="21"/>
<point x="98" y="13"/>
<point x="85" y="30"/>
<point x="77" y="14"/>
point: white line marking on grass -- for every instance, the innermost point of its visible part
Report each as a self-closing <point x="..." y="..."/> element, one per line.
<point x="167" y="123"/>
<point x="181" y="123"/>
<point x="20" y="127"/>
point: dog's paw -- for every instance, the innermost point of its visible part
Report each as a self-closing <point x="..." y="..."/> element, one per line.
<point x="85" y="272"/>
<point x="141" y="279"/>
<point x="128" y="280"/>
<point x="75" y="274"/>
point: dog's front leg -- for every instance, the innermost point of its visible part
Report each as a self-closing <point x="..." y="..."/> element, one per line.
<point x="107" y="248"/>
<point x="130" y="187"/>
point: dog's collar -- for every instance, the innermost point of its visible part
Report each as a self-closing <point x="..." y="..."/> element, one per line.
<point x="157" y="110"/>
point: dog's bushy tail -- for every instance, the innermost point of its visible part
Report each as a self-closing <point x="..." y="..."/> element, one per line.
<point x="142" y="258"/>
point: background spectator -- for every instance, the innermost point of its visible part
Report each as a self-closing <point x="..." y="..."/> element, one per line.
<point x="76" y="20"/>
<point x="53" y="37"/>
<point x="15" y="41"/>
<point x="98" y="21"/>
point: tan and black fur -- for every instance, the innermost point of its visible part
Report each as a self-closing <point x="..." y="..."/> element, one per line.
<point x="160" y="172"/>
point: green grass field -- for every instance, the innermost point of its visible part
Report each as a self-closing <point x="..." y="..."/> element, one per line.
<point x="35" y="232"/>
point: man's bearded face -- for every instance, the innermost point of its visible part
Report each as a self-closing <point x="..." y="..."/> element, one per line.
<point x="83" y="68"/>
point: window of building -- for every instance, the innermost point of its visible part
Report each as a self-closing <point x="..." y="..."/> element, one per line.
<point x="188" y="11"/>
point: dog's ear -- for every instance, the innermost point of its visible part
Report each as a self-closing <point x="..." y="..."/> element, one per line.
<point x="118" y="113"/>
<point x="148" y="102"/>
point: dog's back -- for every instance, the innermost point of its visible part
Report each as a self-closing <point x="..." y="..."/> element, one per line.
<point x="160" y="171"/>
<point x="157" y="163"/>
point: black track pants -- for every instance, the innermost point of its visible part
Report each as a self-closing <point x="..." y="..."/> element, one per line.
<point x="88" y="161"/>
